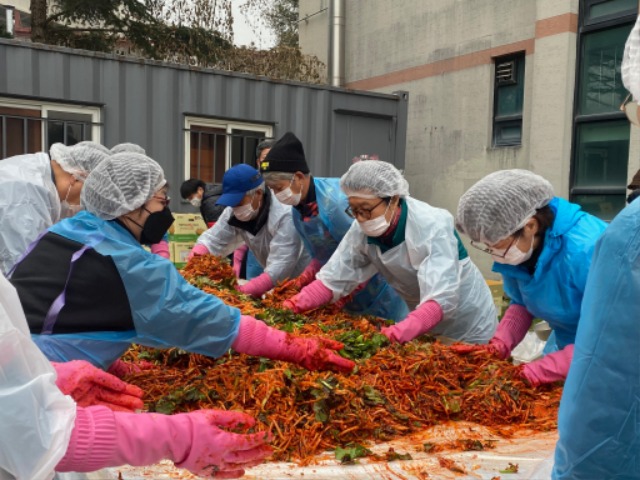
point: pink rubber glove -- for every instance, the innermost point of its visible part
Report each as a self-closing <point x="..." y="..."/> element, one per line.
<point x="417" y="323"/>
<point x="161" y="249"/>
<point x="121" y="369"/>
<point x="550" y="368"/>
<point x="256" y="286"/>
<point x="238" y="257"/>
<point x="256" y="338"/>
<point x="511" y="330"/>
<point x="308" y="275"/>
<point x="198" y="249"/>
<point x="340" y="304"/>
<point x="89" y="385"/>
<point x="312" y="296"/>
<point x="101" y="438"/>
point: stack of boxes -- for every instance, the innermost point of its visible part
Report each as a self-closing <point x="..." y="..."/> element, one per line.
<point x="183" y="234"/>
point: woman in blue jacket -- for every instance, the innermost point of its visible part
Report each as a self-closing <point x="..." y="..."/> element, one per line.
<point x="542" y="246"/>
<point x="89" y="289"/>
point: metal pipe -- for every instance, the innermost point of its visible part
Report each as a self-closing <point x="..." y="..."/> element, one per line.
<point x="336" y="42"/>
<point x="9" y="10"/>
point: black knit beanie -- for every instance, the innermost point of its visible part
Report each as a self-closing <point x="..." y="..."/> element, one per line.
<point x="286" y="155"/>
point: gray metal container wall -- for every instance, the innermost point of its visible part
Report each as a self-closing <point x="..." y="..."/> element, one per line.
<point x="146" y="102"/>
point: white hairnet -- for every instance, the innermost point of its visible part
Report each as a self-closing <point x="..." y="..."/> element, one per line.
<point x="374" y="179"/>
<point x="121" y="184"/>
<point x="631" y="62"/>
<point x="128" y="147"/>
<point x="78" y="160"/>
<point x="97" y="146"/>
<point x="499" y="204"/>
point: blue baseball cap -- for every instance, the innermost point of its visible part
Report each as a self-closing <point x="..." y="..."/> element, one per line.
<point x="236" y="182"/>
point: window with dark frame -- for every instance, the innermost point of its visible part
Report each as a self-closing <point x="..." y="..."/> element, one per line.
<point x="508" y="100"/>
<point x="23" y="130"/>
<point x="214" y="149"/>
<point x="601" y="131"/>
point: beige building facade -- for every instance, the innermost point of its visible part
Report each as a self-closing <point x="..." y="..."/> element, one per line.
<point x="495" y="84"/>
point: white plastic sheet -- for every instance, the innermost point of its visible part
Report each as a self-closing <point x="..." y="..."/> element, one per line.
<point x="532" y="452"/>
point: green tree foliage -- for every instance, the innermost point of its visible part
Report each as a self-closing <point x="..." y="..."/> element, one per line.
<point x="193" y="32"/>
<point x="282" y="17"/>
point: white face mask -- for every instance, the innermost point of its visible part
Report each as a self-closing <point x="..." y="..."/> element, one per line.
<point x="244" y="213"/>
<point x="376" y="226"/>
<point x="66" y="209"/>
<point x="515" y="256"/>
<point x="287" y="196"/>
<point x="196" y="201"/>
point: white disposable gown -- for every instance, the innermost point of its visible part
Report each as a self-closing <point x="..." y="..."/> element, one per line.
<point x="277" y="246"/>
<point x="426" y="266"/>
<point x="36" y="417"/>
<point x="29" y="204"/>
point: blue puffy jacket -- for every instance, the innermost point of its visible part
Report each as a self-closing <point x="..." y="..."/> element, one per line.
<point x="599" y="417"/>
<point x="554" y="292"/>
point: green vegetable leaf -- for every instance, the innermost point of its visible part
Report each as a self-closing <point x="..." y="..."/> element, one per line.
<point x="512" y="468"/>
<point x="348" y="455"/>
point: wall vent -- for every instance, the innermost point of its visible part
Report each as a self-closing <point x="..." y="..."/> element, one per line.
<point x="506" y="72"/>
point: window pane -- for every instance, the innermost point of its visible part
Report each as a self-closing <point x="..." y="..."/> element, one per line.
<point x="509" y="97"/>
<point x="208" y="154"/>
<point x="55" y="132"/>
<point x="243" y="146"/>
<point x="601" y="88"/>
<point x="603" y="206"/>
<point x="74" y="133"/>
<point x="35" y="136"/>
<point x="611" y="7"/>
<point x="602" y="153"/>
<point x="68" y="127"/>
<point x="507" y="133"/>
<point x="22" y="129"/>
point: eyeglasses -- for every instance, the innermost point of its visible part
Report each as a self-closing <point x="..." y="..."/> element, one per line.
<point x="630" y="108"/>
<point x="362" y="212"/>
<point x="495" y="252"/>
<point x="163" y="199"/>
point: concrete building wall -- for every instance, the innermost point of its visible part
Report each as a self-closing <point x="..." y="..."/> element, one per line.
<point x="442" y="52"/>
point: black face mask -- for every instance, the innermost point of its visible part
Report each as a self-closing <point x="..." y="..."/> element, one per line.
<point x="156" y="226"/>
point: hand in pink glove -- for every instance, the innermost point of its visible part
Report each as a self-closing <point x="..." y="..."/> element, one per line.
<point x="256" y="338"/>
<point x="198" y="249"/>
<point x="161" y="249"/>
<point x="340" y="304"/>
<point x="89" y="385"/>
<point x="194" y="441"/>
<point x="257" y="286"/>
<point x="308" y="275"/>
<point x="550" y="368"/>
<point x="312" y="296"/>
<point x="238" y="257"/>
<point x="510" y="332"/>
<point x="121" y="369"/>
<point x="417" y="323"/>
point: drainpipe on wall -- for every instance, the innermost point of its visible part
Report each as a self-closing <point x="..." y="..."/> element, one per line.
<point x="9" y="9"/>
<point x="336" y="42"/>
